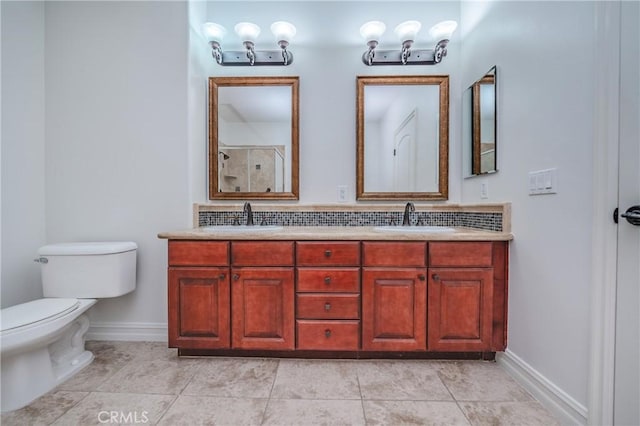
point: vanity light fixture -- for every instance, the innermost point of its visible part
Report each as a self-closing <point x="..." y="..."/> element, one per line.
<point x="248" y="34"/>
<point x="407" y="33"/>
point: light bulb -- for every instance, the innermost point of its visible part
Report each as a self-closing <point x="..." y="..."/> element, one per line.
<point x="407" y="30"/>
<point x="213" y="32"/>
<point x="443" y="30"/>
<point x="247" y="31"/>
<point x="372" y="31"/>
<point x="283" y="31"/>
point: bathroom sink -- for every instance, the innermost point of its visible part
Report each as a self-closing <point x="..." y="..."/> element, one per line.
<point x="414" y="229"/>
<point x="241" y="228"/>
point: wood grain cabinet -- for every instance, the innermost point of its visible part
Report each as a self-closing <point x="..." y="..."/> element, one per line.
<point x="338" y="296"/>
<point x="394" y="296"/>
<point x="328" y="295"/>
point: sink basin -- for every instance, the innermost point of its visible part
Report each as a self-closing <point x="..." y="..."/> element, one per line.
<point x="242" y="228"/>
<point x="414" y="229"/>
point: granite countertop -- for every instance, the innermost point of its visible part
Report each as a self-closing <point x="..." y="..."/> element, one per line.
<point x="338" y="233"/>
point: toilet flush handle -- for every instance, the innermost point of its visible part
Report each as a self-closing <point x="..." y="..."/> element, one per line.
<point x="41" y="260"/>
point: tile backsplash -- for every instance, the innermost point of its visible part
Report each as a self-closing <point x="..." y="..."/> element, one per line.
<point x="486" y="220"/>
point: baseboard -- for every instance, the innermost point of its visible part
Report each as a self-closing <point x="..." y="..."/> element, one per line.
<point x="128" y="331"/>
<point x="566" y="409"/>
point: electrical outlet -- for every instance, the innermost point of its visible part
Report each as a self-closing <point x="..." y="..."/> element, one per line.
<point x="484" y="189"/>
<point x="342" y="193"/>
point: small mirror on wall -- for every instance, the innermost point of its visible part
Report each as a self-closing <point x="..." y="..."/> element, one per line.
<point x="253" y="137"/>
<point x="480" y="125"/>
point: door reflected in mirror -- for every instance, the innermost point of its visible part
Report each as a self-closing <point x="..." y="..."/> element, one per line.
<point x="402" y="140"/>
<point x="253" y="139"/>
<point x="480" y="124"/>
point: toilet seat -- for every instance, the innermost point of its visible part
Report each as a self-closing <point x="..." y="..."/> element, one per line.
<point x="36" y="311"/>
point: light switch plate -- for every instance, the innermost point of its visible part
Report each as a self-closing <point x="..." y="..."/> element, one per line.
<point x="543" y="182"/>
<point x="342" y="193"/>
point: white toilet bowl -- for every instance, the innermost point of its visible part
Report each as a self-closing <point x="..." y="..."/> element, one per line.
<point x="42" y="345"/>
<point x="42" y="341"/>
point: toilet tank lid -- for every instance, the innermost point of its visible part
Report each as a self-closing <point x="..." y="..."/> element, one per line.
<point x="93" y="248"/>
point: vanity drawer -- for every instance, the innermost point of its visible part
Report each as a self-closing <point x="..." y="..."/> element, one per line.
<point x="328" y="253"/>
<point x="262" y="253"/>
<point x="328" y="335"/>
<point x="394" y="254"/>
<point x="448" y="253"/>
<point x="329" y="280"/>
<point x="328" y="306"/>
<point x="198" y="253"/>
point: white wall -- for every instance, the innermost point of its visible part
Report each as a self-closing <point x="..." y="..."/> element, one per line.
<point x="545" y="115"/>
<point x="117" y="149"/>
<point x="23" y="182"/>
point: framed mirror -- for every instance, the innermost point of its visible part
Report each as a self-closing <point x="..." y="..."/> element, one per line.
<point x="253" y="138"/>
<point x="481" y="123"/>
<point x="402" y="137"/>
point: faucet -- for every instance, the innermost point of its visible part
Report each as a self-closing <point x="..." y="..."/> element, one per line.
<point x="247" y="209"/>
<point x="407" y="211"/>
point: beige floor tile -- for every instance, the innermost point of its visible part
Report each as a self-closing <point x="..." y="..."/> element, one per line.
<point x="312" y="379"/>
<point x="205" y="410"/>
<point x="427" y="413"/>
<point x="109" y="358"/>
<point x="401" y="380"/>
<point x="508" y="414"/>
<point x="103" y="408"/>
<point x="481" y="381"/>
<point x="234" y="377"/>
<point x="284" y="412"/>
<point x="151" y="377"/>
<point x="149" y="351"/>
<point x="44" y="410"/>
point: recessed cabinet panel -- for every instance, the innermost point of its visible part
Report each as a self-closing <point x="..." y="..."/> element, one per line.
<point x="328" y="335"/>
<point x="262" y="253"/>
<point x="328" y="306"/>
<point x="394" y="254"/>
<point x="199" y="307"/>
<point x="459" y="253"/>
<point x="198" y="253"/>
<point x="394" y="309"/>
<point x="328" y="253"/>
<point x="460" y="309"/>
<point x="328" y="280"/>
<point x="263" y="308"/>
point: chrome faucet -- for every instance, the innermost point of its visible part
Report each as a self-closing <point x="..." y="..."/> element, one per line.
<point x="247" y="210"/>
<point x="407" y="211"/>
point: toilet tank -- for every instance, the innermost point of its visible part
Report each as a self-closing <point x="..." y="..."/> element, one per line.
<point x="88" y="270"/>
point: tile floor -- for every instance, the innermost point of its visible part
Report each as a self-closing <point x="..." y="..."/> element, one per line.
<point x="146" y="383"/>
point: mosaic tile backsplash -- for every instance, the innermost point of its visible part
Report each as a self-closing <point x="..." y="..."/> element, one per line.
<point x="486" y="221"/>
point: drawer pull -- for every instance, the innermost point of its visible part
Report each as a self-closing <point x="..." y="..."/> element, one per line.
<point x="236" y="277"/>
<point x="435" y="277"/>
<point x="327" y="253"/>
<point x="327" y="333"/>
<point x="327" y="280"/>
<point x="222" y="276"/>
<point x="327" y="306"/>
<point x="422" y="277"/>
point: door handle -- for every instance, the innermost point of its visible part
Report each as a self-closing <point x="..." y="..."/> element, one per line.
<point x="632" y="215"/>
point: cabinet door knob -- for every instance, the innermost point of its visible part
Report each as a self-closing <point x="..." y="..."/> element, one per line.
<point x="327" y="280"/>
<point x="327" y="333"/>
<point x="327" y="306"/>
<point x="422" y="277"/>
<point x="435" y="277"/>
<point x="327" y="253"/>
<point x="236" y="277"/>
<point x="222" y="276"/>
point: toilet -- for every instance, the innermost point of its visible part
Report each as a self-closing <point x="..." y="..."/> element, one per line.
<point x="42" y="341"/>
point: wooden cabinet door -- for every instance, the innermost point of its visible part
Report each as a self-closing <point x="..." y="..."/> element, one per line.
<point x="199" y="306"/>
<point x="460" y="309"/>
<point x="394" y="309"/>
<point x="262" y="308"/>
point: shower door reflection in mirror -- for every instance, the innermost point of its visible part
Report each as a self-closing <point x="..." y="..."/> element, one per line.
<point x="402" y="137"/>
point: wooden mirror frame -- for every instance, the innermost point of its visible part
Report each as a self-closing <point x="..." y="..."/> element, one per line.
<point x="443" y="144"/>
<point x="476" y="163"/>
<point x="214" y="84"/>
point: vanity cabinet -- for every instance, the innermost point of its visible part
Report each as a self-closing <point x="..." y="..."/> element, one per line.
<point x="354" y="297"/>
<point x="394" y="296"/>
<point x="231" y="295"/>
<point x="328" y="295"/>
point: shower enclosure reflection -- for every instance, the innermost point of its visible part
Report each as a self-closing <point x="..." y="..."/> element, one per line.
<point x="251" y="168"/>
